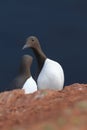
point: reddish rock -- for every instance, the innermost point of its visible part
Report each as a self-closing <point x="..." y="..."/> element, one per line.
<point x="45" y="109"/>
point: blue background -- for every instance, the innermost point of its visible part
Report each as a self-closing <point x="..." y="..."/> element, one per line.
<point x="61" y="27"/>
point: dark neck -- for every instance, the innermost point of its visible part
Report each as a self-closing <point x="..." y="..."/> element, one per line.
<point x="25" y="71"/>
<point x="40" y="56"/>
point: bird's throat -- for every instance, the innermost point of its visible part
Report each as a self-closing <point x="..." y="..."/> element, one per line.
<point x="40" y="56"/>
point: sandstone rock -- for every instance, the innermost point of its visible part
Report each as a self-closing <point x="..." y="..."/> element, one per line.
<point x="44" y="109"/>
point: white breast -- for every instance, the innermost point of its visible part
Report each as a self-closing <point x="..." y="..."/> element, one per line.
<point x="51" y="76"/>
<point x="30" y="86"/>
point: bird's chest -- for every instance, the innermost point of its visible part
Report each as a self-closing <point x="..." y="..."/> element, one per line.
<point x="47" y="74"/>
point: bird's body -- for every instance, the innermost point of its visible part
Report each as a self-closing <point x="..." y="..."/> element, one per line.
<point x="51" y="75"/>
<point x="30" y="85"/>
<point x="18" y="82"/>
<point x="24" y="80"/>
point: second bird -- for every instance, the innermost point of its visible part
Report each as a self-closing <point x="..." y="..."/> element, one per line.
<point x="24" y="80"/>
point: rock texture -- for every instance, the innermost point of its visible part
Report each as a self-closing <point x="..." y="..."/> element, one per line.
<point x="45" y="109"/>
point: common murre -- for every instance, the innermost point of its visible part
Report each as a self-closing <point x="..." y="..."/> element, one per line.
<point x="24" y="80"/>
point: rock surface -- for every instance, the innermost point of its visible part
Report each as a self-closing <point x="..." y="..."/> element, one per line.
<point x="45" y="109"/>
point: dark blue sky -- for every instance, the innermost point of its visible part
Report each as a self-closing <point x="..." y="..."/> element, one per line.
<point x="61" y="27"/>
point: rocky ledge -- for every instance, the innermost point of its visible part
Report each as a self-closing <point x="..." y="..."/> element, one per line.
<point x="45" y="109"/>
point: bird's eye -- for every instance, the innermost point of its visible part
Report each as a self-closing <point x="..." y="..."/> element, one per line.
<point x="32" y="40"/>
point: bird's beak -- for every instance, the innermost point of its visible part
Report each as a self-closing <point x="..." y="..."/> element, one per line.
<point x="25" y="46"/>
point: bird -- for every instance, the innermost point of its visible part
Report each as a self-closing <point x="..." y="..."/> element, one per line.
<point x="24" y="80"/>
<point x="50" y="74"/>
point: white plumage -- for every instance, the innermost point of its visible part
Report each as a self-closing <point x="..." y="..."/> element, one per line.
<point x="51" y="76"/>
<point x="30" y="86"/>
